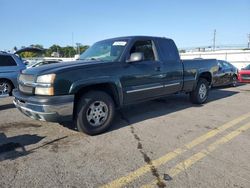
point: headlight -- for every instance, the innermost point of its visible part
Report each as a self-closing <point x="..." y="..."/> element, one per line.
<point x="44" y="84"/>
<point x="44" y="91"/>
<point x="48" y="78"/>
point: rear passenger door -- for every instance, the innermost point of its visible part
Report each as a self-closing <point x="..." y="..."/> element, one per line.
<point x="228" y="72"/>
<point x="221" y="77"/>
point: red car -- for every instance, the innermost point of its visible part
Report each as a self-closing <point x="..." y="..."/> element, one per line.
<point x="244" y="74"/>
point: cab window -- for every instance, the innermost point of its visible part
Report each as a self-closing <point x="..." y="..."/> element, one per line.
<point x="6" y="60"/>
<point x="145" y="47"/>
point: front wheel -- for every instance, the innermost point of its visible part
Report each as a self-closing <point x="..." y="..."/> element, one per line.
<point x="95" y="112"/>
<point x="200" y="94"/>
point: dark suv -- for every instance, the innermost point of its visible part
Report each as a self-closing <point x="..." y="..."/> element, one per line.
<point x="10" y="66"/>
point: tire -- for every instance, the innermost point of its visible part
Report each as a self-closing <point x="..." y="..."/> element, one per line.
<point x="5" y="88"/>
<point x="200" y="94"/>
<point x="95" y="112"/>
<point x="234" y="81"/>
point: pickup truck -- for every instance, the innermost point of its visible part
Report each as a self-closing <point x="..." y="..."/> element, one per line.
<point x="110" y="74"/>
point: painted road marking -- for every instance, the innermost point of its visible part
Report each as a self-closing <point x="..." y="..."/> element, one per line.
<point x="182" y="166"/>
<point x="171" y="155"/>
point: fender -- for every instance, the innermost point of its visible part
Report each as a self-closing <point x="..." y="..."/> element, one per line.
<point x="199" y="74"/>
<point x="114" y="81"/>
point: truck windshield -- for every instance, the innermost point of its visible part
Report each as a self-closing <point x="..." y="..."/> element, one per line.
<point x="108" y="50"/>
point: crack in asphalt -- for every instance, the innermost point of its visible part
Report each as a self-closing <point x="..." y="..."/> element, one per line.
<point x="48" y="143"/>
<point x="146" y="158"/>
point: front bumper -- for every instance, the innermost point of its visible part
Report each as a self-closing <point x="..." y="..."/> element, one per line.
<point x="244" y="79"/>
<point x="45" y="108"/>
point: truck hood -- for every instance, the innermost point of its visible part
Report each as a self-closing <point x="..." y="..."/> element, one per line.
<point x="57" y="67"/>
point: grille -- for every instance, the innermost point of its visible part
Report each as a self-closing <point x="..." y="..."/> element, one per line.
<point x="246" y="75"/>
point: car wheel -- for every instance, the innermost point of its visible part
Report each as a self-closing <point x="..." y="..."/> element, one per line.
<point x="234" y="81"/>
<point x="200" y="94"/>
<point x="5" y="88"/>
<point x="95" y="112"/>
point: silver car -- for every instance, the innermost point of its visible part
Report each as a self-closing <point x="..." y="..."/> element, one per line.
<point x="10" y="66"/>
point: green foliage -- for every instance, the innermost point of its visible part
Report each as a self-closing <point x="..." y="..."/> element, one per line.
<point x="31" y="54"/>
<point x="28" y="54"/>
<point x="67" y="51"/>
<point x="55" y="49"/>
<point x="83" y="48"/>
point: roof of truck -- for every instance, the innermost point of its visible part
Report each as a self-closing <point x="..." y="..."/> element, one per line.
<point x="135" y="36"/>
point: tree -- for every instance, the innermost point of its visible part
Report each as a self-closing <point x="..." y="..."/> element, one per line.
<point x="53" y="48"/>
<point x="55" y="51"/>
<point x="68" y="51"/>
<point x="83" y="48"/>
<point x="32" y="54"/>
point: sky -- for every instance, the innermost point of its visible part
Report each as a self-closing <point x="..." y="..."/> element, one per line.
<point x="190" y="23"/>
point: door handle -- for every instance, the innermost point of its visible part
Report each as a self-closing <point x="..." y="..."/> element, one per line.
<point x="157" y="68"/>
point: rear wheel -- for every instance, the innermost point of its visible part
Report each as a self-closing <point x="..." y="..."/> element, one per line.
<point x="200" y="94"/>
<point x="234" y="81"/>
<point x="5" y="88"/>
<point x="95" y="112"/>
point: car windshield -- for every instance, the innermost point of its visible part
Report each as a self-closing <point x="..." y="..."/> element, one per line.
<point x="108" y="50"/>
<point x="247" y="67"/>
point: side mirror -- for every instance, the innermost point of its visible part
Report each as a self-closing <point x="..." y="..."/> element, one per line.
<point x="220" y="68"/>
<point x="135" y="57"/>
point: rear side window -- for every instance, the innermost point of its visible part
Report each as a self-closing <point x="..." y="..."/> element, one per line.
<point x="169" y="50"/>
<point x="227" y="65"/>
<point x="6" y="60"/>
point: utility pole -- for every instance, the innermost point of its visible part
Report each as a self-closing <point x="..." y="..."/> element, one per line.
<point x="249" y="40"/>
<point x="78" y="48"/>
<point x="72" y="38"/>
<point x="214" y="39"/>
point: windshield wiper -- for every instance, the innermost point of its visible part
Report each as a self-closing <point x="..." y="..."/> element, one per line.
<point x="92" y="59"/>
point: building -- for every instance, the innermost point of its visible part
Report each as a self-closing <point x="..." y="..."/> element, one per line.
<point x="239" y="58"/>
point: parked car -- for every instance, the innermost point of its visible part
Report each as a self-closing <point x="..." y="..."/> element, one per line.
<point x="43" y="62"/>
<point x="109" y="75"/>
<point x="244" y="74"/>
<point x="10" y="66"/>
<point x="227" y="74"/>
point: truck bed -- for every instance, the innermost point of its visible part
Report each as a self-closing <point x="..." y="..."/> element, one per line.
<point x="192" y="68"/>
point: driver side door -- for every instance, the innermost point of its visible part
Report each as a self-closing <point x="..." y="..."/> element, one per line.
<point x="143" y="79"/>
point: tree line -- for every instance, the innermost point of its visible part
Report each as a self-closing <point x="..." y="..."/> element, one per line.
<point x="54" y="51"/>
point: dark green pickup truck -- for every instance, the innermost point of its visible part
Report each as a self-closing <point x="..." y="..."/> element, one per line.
<point x="110" y="74"/>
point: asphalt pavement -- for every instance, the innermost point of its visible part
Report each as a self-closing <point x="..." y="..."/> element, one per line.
<point x="162" y="143"/>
